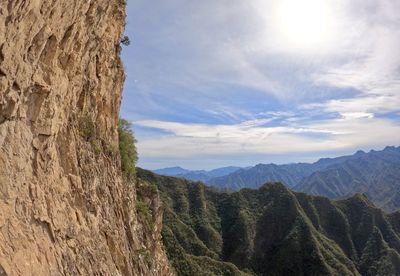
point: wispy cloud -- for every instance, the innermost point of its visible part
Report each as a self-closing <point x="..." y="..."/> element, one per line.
<point x="256" y="137"/>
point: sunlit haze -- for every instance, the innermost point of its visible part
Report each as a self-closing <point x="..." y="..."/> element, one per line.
<point x="306" y="24"/>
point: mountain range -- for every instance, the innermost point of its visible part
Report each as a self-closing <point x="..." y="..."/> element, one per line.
<point x="376" y="174"/>
<point x="273" y="231"/>
<point x="289" y="174"/>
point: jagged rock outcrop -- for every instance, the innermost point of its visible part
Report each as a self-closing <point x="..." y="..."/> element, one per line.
<point x="64" y="207"/>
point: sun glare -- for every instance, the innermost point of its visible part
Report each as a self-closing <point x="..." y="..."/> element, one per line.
<point x="304" y="24"/>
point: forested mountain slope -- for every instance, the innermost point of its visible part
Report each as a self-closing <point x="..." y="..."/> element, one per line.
<point x="273" y="231"/>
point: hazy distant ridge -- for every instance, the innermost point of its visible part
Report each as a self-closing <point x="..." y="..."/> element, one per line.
<point x="197" y="175"/>
<point x="289" y="174"/>
<point x="376" y="173"/>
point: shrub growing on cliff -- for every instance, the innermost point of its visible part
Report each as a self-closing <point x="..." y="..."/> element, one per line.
<point x="127" y="148"/>
<point x="126" y="40"/>
<point x="87" y="128"/>
<point x="144" y="212"/>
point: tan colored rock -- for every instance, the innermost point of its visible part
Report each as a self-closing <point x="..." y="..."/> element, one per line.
<point x="64" y="207"/>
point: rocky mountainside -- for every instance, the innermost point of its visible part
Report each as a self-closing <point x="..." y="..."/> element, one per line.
<point x="289" y="174"/>
<point x="65" y="208"/>
<point x="256" y="176"/>
<point x="377" y="174"/>
<point x="274" y="231"/>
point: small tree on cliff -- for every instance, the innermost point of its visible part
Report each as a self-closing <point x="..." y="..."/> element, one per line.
<point x="125" y="40"/>
<point x="127" y="148"/>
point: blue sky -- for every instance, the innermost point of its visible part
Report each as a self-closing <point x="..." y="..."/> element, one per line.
<point x="237" y="82"/>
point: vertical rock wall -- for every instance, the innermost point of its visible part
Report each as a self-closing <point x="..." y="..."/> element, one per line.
<point x="64" y="207"/>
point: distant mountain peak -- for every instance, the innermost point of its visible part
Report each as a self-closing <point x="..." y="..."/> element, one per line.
<point x="171" y="171"/>
<point x="391" y="148"/>
<point x="175" y="168"/>
<point x="360" y="152"/>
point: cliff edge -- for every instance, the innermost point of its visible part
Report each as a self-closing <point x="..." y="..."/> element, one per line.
<point x="64" y="206"/>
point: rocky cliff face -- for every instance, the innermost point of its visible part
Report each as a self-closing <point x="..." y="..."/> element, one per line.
<point x="64" y="207"/>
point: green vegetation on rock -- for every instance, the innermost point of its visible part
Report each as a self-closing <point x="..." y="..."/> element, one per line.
<point x="87" y="127"/>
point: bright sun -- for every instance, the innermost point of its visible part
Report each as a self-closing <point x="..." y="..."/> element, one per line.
<point x="305" y="24"/>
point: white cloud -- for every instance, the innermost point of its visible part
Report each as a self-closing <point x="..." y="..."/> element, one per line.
<point x="357" y="115"/>
<point x="253" y="129"/>
<point x="357" y="130"/>
<point x="364" y="104"/>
